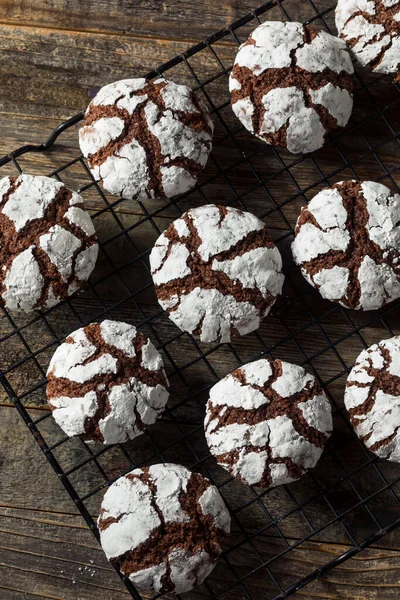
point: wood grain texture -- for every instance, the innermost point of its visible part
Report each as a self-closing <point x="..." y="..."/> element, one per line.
<point x="178" y="19"/>
<point x="54" y="55"/>
<point x="46" y="550"/>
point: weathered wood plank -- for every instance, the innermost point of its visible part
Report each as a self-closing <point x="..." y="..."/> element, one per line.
<point x="172" y="19"/>
<point x="23" y="466"/>
<point x="57" y="70"/>
<point x="61" y="557"/>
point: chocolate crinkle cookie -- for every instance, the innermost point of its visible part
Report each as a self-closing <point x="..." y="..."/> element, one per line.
<point x="267" y="422"/>
<point x="372" y="398"/>
<point x="146" y="139"/>
<point x="216" y="272"/>
<point x="348" y="244"/>
<point x="48" y="244"/>
<point x="161" y="526"/>
<point x="291" y="85"/>
<point x="371" y="29"/>
<point x="106" y="382"/>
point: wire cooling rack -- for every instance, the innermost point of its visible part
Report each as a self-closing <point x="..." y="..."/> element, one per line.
<point x="351" y="499"/>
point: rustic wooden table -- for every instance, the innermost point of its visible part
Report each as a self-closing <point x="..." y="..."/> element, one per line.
<point x="52" y="54"/>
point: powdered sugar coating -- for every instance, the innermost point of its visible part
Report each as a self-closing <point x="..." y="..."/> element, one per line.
<point x="316" y="65"/>
<point x="282" y="39"/>
<point x="73" y="419"/>
<point x="85" y="262"/>
<point x="336" y="100"/>
<point x="208" y="280"/>
<point x="125" y="172"/>
<point x="167" y="503"/>
<point x="30" y="199"/>
<point x="286" y="107"/>
<point x="151" y="358"/>
<point x="107" y="383"/>
<point x="49" y="246"/>
<point x="324" y="51"/>
<point x="130" y="502"/>
<point x="59" y="244"/>
<point x="267" y="422"/>
<point x="257" y="268"/>
<point x="119" y="334"/>
<point x="175" y="138"/>
<point x="23" y="283"/>
<point x="371" y="30"/>
<point x="134" y="129"/>
<point x="293" y="379"/>
<point x="169" y="177"/>
<point x="108" y="94"/>
<point x="177" y="97"/>
<point x="243" y="109"/>
<point x="233" y="226"/>
<point x="348" y="244"/>
<point x="372" y="398"/>
<point x="101" y="133"/>
<point x="79" y="217"/>
<point x="212" y="504"/>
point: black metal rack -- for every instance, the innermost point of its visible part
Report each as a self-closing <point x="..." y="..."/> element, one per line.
<point x="351" y="498"/>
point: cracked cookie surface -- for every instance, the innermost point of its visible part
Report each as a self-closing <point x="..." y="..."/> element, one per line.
<point x="291" y="85"/>
<point x="216" y="272"/>
<point x="146" y="139"/>
<point x="106" y="382"/>
<point x="348" y="244"/>
<point x="162" y="527"/>
<point x="371" y="29"/>
<point x="372" y="398"/>
<point x="267" y="422"/>
<point x="48" y="244"/>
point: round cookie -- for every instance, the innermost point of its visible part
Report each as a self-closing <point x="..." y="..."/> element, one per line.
<point x="106" y="382"/>
<point x="161" y="526"/>
<point x="146" y="139"/>
<point x="267" y="422"/>
<point x="372" y="398"/>
<point x="291" y="85"/>
<point x="48" y="244"/>
<point x="371" y="29"/>
<point x="216" y="272"/>
<point x="348" y="244"/>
